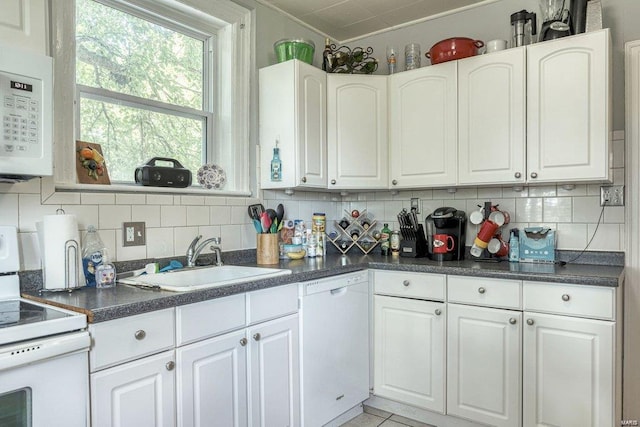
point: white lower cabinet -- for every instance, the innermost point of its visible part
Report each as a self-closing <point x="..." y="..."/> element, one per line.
<point x="568" y="371"/>
<point x="409" y="350"/>
<point x="139" y="393"/>
<point x="484" y="374"/>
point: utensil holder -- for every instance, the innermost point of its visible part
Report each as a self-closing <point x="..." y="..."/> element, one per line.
<point x="267" y="249"/>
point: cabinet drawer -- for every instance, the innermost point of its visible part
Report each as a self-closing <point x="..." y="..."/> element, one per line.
<point x="209" y="318"/>
<point x="132" y="337"/>
<point x="410" y="285"/>
<point x="271" y="303"/>
<point x="572" y="300"/>
<point x="485" y="291"/>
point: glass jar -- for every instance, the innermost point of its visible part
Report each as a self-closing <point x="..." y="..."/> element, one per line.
<point x="395" y="242"/>
<point x="412" y="56"/>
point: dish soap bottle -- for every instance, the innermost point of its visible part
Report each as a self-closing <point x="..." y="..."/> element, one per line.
<point x="92" y="251"/>
<point x="105" y="276"/>
<point x="276" y="164"/>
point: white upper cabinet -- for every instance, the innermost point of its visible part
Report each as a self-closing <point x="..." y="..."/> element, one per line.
<point x="24" y="24"/>
<point x="492" y="118"/>
<point x="357" y="131"/>
<point x="293" y="112"/>
<point x="569" y="109"/>
<point x="423" y="127"/>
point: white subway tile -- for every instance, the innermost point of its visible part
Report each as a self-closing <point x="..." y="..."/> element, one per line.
<point x="159" y="199"/>
<point x="240" y="214"/>
<point x="215" y="200"/>
<point x="149" y="214"/>
<point x="586" y="209"/>
<point x="192" y="200"/>
<point x="220" y="215"/>
<point x="466" y="193"/>
<point x="97" y="198"/>
<point x="198" y="215"/>
<point x="129" y="253"/>
<point x="29" y="251"/>
<point x="614" y="214"/>
<point x="593" y="190"/>
<point x="249" y="237"/>
<point x="516" y="191"/>
<point x="572" y="191"/>
<point x="160" y="242"/>
<point x="489" y="193"/>
<point x="236" y="201"/>
<point x="182" y="238"/>
<point x="130" y="199"/>
<point x="557" y="209"/>
<point x="618" y="153"/>
<point x="85" y="214"/>
<point x="30" y="210"/>
<point x="109" y="239"/>
<point x="208" y="231"/>
<point x="231" y="237"/>
<point x="112" y="216"/>
<point x="27" y="187"/>
<point x="443" y="194"/>
<point x="173" y="216"/>
<point x="291" y="209"/>
<point x="571" y="236"/>
<point x="422" y="194"/>
<point x="60" y="198"/>
<point x="607" y="237"/>
<point x="543" y="191"/>
<point x="9" y="209"/>
<point x="528" y="210"/>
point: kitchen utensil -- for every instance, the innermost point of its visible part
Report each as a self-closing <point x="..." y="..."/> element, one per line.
<point x="265" y="222"/>
<point x="280" y="213"/>
<point x="523" y="28"/>
<point x="453" y="48"/>
<point x="255" y="211"/>
<point x="578" y="10"/>
<point x="556" y="20"/>
<point x="257" y="225"/>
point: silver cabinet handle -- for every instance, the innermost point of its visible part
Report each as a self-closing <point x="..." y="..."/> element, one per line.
<point x="518" y="175"/>
<point x="170" y="365"/>
<point x="243" y="342"/>
<point x="256" y="337"/>
<point x="304" y="179"/>
<point x="406" y="282"/>
<point x="140" y="334"/>
<point x="481" y="290"/>
<point x="534" y="175"/>
<point x="438" y="312"/>
<point x="566" y="297"/>
<point x="513" y="321"/>
<point x="333" y="181"/>
<point x="394" y="182"/>
<point x="530" y="322"/>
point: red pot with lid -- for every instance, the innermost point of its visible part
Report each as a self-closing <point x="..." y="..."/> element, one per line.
<point x="453" y="48"/>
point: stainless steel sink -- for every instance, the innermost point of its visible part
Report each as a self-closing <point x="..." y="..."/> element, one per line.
<point x="190" y="279"/>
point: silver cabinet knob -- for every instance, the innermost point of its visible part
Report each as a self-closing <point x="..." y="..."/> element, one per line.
<point x="256" y="337"/>
<point x="304" y="179"/>
<point x="243" y="342"/>
<point x="518" y="175"/>
<point x="406" y="282"/>
<point x="170" y="365"/>
<point x="534" y="175"/>
<point x="566" y="297"/>
<point x="530" y="322"/>
<point x="333" y="181"/>
<point x="140" y="334"/>
<point x="394" y="182"/>
<point x="513" y="321"/>
<point x="481" y="290"/>
<point x="438" y="312"/>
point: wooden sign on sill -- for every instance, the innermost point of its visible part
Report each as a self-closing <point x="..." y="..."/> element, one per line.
<point x="91" y="167"/>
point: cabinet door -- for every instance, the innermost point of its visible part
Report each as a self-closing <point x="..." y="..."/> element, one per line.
<point x="568" y="371"/>
<point x="423" y="126"/>
<point x="569" y="108"/>
<point x="409" y="349"/>
<point x="139" y="393"/>
<point x="491" y="118"/>
<point x="24" y="24"/>
<point x="357" y="131"/>
<point x="212" y="382"/>
<point x="274" y="373"/>
<point x="293" y="112"/>
<point x="484" y="365"/>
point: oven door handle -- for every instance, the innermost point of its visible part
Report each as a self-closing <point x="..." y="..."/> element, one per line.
<point x="14" y="355"/>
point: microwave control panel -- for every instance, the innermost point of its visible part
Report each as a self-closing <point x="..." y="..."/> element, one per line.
<point x="21" y="116"/>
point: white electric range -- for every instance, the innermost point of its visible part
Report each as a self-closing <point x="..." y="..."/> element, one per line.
<point x="44" y="374"/>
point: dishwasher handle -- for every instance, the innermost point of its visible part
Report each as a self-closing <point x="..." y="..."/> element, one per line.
<point x="339" y="291"/>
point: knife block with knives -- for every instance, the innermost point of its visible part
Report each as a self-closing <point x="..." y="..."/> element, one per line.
<point x="413" y="243"/>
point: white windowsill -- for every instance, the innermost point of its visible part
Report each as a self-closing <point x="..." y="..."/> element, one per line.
<point x="133" y="188"/>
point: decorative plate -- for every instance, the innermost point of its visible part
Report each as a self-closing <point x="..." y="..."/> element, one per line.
<point x="212" y="177"/>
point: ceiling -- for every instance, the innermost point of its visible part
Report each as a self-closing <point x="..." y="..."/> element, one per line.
<point x="345" y="20"/>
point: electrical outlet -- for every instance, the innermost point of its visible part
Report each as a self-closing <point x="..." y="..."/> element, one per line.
<point x="612" y="195"/>
<point x="133" y="234"/>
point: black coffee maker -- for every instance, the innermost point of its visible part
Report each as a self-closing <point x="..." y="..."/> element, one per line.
<point x="446" y="229"/>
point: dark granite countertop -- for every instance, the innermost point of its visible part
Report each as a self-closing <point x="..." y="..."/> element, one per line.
<point x="106" y="304"/>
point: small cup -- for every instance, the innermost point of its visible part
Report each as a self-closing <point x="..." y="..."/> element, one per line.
<point x="498" y="247"/>
<point x="443" y="243"/>
<point x="267" y="248"/>
<point x="500" y="217"/>
<point x="496" y="45"/>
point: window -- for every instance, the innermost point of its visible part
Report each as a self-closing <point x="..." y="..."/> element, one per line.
<point x="141" y="87"/>
<point x="148" y="78"/>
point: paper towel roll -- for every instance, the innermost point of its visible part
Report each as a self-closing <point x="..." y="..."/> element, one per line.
<point x="60" y="252"/>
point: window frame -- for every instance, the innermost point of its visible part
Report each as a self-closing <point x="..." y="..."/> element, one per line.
<point x="232" y="26"/>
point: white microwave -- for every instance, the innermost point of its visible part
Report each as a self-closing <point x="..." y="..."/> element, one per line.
<point x="26" y="106"/>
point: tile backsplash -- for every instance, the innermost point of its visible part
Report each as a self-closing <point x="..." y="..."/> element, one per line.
<point x="172" y="221"/>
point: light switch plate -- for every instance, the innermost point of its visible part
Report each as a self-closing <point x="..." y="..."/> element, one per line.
<point x="612" y="195"/>
<point x="133" y="234"/>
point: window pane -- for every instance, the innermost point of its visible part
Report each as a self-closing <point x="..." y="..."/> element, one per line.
<point x="130" y="136"/>
<point x="122" y="53"/>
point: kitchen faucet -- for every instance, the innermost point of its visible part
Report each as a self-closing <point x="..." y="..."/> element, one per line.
<point x="194" y="250"/>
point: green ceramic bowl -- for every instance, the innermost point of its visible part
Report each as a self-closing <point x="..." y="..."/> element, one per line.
<point x="287" y="49"/>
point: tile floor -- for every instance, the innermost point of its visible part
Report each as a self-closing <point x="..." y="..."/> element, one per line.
<point x="373" y="417"/>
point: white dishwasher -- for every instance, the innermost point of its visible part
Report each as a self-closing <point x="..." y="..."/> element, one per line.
<point x="334" y="346"/>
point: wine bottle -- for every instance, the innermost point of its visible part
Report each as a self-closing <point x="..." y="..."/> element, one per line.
<point x="327" y="56"/>
<point x="276" y="164"/>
